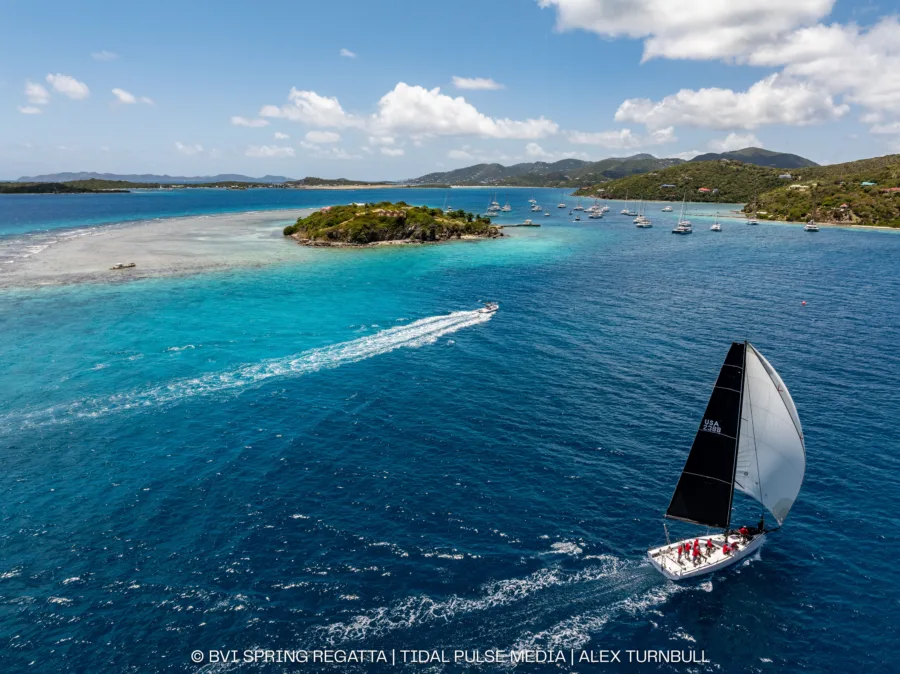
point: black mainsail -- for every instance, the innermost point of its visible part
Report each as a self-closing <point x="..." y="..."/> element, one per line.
<point x="706" y="487"/>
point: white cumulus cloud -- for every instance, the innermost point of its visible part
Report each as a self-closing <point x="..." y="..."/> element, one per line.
<point x="68" y="86"/>
<point x="310" y="108"/>
<point x="270" y="151"/>
<point x="322" y="137"/>
<point x="623" y="138"/>
<point x="252" y="123"/>
<point x="734" y="141"/>
<point x="774" y="100"/>
<point x="329" y="152"/>
<point x="863" y="64"/>
<point x="475" y="83"/>
<point x="392" y="151"/>
<point x="104" y="56"/>
<point x="535" y="151"/>
<point x="690" y="29"/>
<point x="36" y="93"/>
<point x="124" y="96"/>
<point x="188" y="149"/>
<point x="281" y="136"/>
<point x="29" y="110"/>
<point x="427" y="112"/>
<point x="348" y="54"/>
<point x="886" y="129"/>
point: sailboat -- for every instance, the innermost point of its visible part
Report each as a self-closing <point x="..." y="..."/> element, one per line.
<point x="579" y="207"/>
<point x="506" y="207"/>
<point x="753" y="220"/>
<point x="750" y="440"/>
<point x="683" y="226"/>
<point x="641" y="220"/>
<point x="562" y="201"/>
<point x="716" y="227"/>
<point x="628" y="210"/>
<point x="811" y="225"/>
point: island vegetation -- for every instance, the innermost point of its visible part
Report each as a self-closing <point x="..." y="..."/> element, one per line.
<point x="368" y="224"/>
<point x="50" y="188"/>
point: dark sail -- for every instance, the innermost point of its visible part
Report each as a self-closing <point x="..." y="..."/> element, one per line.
<point x="706" y="486"/>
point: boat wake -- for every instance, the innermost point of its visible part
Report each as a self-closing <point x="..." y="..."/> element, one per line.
<point x="552" y="608"/>
<point x="410" y="336"/>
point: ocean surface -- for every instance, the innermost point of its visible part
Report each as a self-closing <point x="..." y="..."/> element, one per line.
<point x="340" y="452"/>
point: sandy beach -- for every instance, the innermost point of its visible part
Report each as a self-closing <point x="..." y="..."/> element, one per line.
<point x="170" y="246"/>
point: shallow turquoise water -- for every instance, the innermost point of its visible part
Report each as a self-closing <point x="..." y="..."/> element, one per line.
<point x="340" y="452"/>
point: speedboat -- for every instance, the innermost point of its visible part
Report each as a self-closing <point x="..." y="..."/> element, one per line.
<point x="489" y="308"/>
<point x="811" y="226"/>
<point x="716" y="228"/>
<point x="667" y="209"/>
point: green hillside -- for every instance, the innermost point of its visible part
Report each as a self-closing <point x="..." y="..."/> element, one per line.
<point x="760" y="157"/>
<point x="836" y="194"/>
<point x="721" y="181"/>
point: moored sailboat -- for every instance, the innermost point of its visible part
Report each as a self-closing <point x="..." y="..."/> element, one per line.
<point x="750" y="440"/>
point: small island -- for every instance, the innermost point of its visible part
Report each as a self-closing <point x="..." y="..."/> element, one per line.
<point x="388" y="223"/>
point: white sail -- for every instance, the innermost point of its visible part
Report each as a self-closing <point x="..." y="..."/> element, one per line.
<point x="771" y="457"/>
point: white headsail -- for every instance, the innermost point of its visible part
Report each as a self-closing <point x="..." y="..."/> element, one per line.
<point x="771" y="456"/>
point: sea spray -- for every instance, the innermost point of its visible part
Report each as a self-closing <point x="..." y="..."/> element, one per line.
<point x="412" y="335"/>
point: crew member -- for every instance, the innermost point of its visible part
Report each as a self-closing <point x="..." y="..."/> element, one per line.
<point x="725" y="548"/>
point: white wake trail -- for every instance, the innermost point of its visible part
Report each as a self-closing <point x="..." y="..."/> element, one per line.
<point x="412" y="335"/>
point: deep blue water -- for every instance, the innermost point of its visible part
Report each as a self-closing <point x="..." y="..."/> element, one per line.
<point x="315" y="454"/>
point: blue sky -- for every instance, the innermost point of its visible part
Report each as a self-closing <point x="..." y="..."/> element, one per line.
<point x="202" y="88"/>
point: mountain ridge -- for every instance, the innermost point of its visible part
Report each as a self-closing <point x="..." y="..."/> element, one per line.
<point x="150" y="178"/>
<point x="760" y="157"/>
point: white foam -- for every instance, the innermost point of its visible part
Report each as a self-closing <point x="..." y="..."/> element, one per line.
<point x="577" y="631"/>
<point x="565" y="548"/>
<point x="411" y="336"/>
<point x="423" y="609"/>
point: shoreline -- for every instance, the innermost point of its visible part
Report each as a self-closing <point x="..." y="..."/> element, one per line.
<point x="311" y="243"/>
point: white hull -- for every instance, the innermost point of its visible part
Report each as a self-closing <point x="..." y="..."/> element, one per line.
<point x="665" y="558"/>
